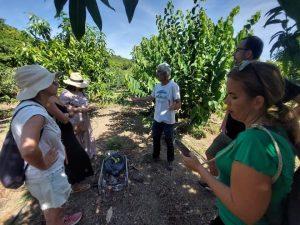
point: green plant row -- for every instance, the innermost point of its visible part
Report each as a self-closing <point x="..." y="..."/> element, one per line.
<point x="199" y="52"/>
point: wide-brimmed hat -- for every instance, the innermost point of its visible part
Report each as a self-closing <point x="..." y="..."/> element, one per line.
<point x="32" y="79"/>
<point x="76" y="80"/>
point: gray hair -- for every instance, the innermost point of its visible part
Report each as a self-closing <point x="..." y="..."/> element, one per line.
<point x="164" y="67"/>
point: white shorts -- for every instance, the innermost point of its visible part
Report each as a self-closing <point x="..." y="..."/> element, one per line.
<point x="51" y="191"/>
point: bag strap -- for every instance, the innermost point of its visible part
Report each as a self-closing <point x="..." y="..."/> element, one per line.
<point x="280" y="163"/>
<point x="14" y="115"/>
<point x="260" y="127"/>
<point x="38" y="104"/>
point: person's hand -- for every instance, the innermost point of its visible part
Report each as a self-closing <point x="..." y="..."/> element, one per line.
<point x="71" y="114"/>
<point x="92" y="108"/>
<point x="191" y="162"/>
<point x="69" y="108"/>
<point x="50" y="158"/>
<point x="79" y="128"/>
<point x="172" y="107"/>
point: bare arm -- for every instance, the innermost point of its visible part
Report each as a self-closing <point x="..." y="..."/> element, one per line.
<point x="56" y="112"/>
<point x="79" y="109"/>
<point x="176" y="105"/>
<point x="30" y="150"/>
<point x="248" y="196"/>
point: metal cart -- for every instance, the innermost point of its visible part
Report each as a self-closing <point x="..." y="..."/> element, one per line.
<point x="110" y="180"/>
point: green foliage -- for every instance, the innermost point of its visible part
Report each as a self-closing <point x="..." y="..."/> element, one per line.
<point x="292" y="9"/>
<point x="114" y="143"/>
<point x="10" y="40"/>
<point x="199" y="52"/>
<point x="77" y="13"/>
<point x="64" y="53"/>
<point x="286" y="42"/>
<point x="8" y="88"/>
<point x="197" y="132"/>
<point x="119" y="62"/>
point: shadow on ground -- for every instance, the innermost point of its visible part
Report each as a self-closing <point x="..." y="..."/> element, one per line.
<point x="155" y="195"/>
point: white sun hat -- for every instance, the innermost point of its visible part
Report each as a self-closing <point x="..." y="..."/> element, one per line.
<point x="31" y="79"/>
<point x="76" y="80"/>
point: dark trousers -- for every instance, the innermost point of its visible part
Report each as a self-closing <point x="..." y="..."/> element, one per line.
<point x="157" y="130"/>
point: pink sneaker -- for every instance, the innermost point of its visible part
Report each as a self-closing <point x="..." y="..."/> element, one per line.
<point x="72" y="219"/>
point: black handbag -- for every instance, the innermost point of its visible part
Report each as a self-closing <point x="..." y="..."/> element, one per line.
<point x="12" y="170"/>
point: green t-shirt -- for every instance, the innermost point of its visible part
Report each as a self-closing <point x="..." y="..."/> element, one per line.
<point x="254" y="148"/>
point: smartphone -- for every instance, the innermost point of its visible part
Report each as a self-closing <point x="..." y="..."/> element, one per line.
<point x="183" y="149"/>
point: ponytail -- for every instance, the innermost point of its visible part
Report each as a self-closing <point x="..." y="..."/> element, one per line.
<point x="287" y="118"/>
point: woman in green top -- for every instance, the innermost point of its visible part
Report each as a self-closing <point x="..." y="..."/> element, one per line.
<point x="244" y="189"/>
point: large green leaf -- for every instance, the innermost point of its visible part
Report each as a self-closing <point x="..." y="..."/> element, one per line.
<point x="107" y="4"/>
<point x="275" y="10"/>
<point x="94" y="11"/>
<point x="292" y="9"/>
<point x="130" y="6"/>
<point x="272" y="22"/>
<point x="77" y="17"/>
<point x="59" y="5"/>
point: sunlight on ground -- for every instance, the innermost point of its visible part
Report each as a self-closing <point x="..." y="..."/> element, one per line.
<point x="190" y="189"/>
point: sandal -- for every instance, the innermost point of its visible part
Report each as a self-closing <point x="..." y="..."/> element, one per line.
<point x="80" y="188"/>
<point x="72" y="219"/>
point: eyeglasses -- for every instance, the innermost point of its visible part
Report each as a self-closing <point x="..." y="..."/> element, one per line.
<point x="160" y="72"/>
<point x="248" y="63"/>
<point x="241" y="49"/>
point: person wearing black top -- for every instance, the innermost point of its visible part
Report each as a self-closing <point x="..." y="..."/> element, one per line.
<point x="77" y="165"/>
<point x="249" y="49"/>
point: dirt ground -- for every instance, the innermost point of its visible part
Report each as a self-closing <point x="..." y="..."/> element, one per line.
<point x="154" y="195"/>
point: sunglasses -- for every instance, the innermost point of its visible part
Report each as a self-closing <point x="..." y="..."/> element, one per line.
<point x="55" y="82"/>
<point x="241" y="49"/>
<point x="249" y="64"/>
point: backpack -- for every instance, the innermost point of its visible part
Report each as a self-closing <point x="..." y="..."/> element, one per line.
<point x="12" y="171"/>
<point x="115" y="164"/>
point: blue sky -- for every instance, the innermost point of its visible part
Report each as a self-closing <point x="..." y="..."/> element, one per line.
<point x="122" y="36"/>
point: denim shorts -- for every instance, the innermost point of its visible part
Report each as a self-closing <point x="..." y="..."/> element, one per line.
<point x="51" y="191"/>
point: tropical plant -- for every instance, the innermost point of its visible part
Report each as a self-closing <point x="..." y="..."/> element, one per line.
<point x="286" y="42"/>
<point x="292" y="9"/>
<point x="10" y="40"/>
<point x="199" y="52"/>
<point x="8" y="88"/>
<point x="64" y="53"/>
<point x="77" y="12"/>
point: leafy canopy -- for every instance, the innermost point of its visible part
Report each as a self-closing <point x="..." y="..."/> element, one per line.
<point x="78" y="8"/>
<point x="199" y="52"/>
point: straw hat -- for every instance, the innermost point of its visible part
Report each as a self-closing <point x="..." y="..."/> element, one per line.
<point x="32" y="79"/>
<point x="76" y="80"/>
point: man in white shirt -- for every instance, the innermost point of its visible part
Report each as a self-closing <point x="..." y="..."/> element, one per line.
<point x="167" y="99"/>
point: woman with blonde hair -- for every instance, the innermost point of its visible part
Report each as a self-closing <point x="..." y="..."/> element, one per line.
<point x="256" y="169"/>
